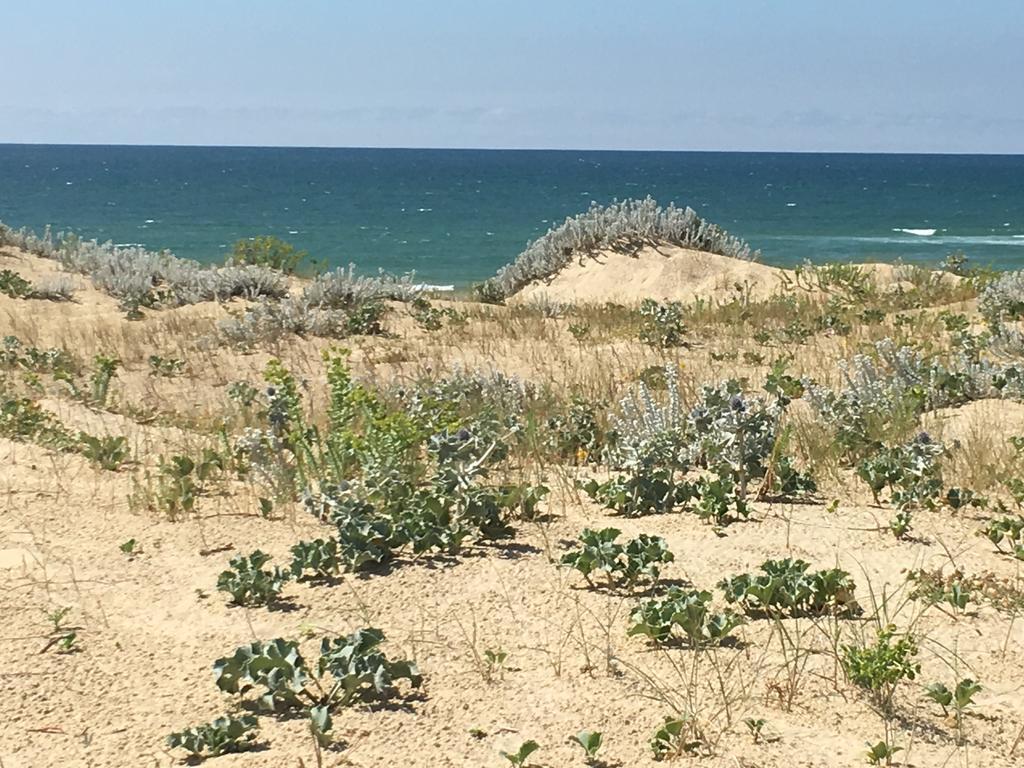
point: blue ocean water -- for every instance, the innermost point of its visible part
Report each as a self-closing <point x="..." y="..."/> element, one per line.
<point x="455" y="216"/>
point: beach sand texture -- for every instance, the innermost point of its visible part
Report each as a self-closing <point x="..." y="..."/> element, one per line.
<point x="150" y="626"/>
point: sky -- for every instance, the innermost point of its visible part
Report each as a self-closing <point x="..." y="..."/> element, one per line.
<point x="788" y="75"/>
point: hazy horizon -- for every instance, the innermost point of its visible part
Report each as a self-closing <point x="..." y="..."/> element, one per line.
<point x="918" y="77"/>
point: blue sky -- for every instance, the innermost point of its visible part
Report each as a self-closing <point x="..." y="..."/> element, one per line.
<point x="903" y="75"/>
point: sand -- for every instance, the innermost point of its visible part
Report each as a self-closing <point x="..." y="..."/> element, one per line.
<point x="150" y="626"/>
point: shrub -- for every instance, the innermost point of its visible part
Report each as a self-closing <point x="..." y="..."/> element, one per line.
<point x="266" y="251"/>
<point x="1003" y="298"/>
<point x="687" y="611"/>
<point x="787" y="587"/>
<point x="621" y="226"/>
<point x="14" y="285"/>
<point x="880" y="667"/>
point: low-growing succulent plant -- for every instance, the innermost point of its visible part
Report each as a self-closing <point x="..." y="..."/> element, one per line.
<point x="249" y="583"/>
<point x="520" y="756"/>
<point x="220" y="737"/>
<point x="321" y="558"/>
<point x="640" y="559"/>
<point x="682" y="614"/>
<point x="349" y="669"/>
<point x="788" y="587"/>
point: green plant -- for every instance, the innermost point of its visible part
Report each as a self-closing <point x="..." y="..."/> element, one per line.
<point x="61" y="636"/>
<point x="168" y="367"/>
<point x="579" y="331"/>
<point x="882" y="753"/>
<point x="365" y="319"/>
<point x="495" y="662"/>
<point x="960" y="698"/>
<point x="130" y="548"/>
<point x="661" y="325"/>
<point x="910" y="471"/>
<point x="622" y="565"/>
<point x="788" y="587"/>
<point x="321" y="557"/>
<point x="686" y="611"/>
<point x="320" y="725"/>
<point x="935" y="587"/>
<point x="755" y="726"/>
<point x="431" y="318"/>
<point x="642" y="492"/>
<point x="249" y="583"/>
<point x="521" y="755"/>
<point x="590" y="741"/>
<point x="878" y="668"/>
<point x="14" y="285"/>
<point x="266" y="251"/>
<point x="675" y="737"/>
<point x="575" y="433"/>
<point x="106" y="369"/>
<point x="349" y="669"/>
<point x="1007" y="532"/>
<point x="107" y="451"/>
<point x="220" y="737"/>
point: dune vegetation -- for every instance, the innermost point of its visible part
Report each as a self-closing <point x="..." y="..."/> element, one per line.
<point x="762" y="517"/>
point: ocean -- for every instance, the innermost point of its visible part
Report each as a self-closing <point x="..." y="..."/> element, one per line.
<point x="456" y="216"/>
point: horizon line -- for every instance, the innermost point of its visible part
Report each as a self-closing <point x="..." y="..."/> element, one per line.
<point x="511" y="149"/>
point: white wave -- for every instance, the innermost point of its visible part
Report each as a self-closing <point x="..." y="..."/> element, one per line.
<point x="791" y="205"/>
<point x="432" y="287"/>
<point x="918" y="232"/>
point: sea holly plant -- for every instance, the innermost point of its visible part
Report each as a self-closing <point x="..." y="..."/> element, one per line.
<point x="320" y="558"/>
<point x="349" y="669"/>
<point x="642" y="492"/>
<point x="249" y="583"/>
<point x="789" y="588"/>
<point x="622" y="566"/>
<point x="911" y="472"/>
<point x="683" y="614"/>
<point x="222" y="736"/>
